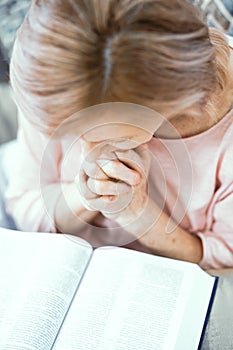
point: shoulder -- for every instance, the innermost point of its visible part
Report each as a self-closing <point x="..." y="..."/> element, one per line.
<point x="227" y="126"/>
<point x="34" y="143"/>
<point x="225" y="159"/>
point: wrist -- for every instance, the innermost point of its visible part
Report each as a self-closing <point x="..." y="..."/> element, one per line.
<point x="144" y="220"/>
<point x="70" y="216"/>
<point x="180" y="245"/>
<point x="162" y="236"/>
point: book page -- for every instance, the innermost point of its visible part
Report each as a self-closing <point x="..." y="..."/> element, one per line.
<point x="39" y="274"/>
<point x="135" y="301"/>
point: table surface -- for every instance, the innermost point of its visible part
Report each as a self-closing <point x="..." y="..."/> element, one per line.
<point x="219" y="272"/>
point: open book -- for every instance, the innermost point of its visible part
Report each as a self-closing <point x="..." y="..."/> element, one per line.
<point x="57" y="293"/>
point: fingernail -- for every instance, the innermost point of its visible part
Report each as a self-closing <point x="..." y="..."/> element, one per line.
<point x="111" y="198"/>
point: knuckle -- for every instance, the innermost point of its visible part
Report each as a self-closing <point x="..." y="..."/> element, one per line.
<point x="99" y="187"/>
<point x="114" y="165"/>
<point x="95" y="186"/>
<point x="90" y="170"/>
<point x="90" y="184"/>
<point x="110" y="167"/>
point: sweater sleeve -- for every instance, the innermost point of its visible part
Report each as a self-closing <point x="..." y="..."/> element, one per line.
<point x="217" y="239"/>
<point x="34" y="182"/>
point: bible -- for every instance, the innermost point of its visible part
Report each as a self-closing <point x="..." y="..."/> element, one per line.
<point x="57" y="292"/>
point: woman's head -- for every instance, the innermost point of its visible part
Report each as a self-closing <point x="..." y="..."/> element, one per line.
<point x="72" y="54"/>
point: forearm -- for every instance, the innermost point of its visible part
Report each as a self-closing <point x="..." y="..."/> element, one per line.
<point x="70" y="215"/>
<point x="164" y="237"/>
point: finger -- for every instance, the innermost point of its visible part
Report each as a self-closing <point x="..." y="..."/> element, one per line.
<point x="112" y="205"/>
<point x="143" y="153"/>
<point x="93" y="151"/>
<point x="107" y="187"/>
<point x="131" y="159"/>
<point x="145" y="156"/>
<point x="138" y="159"/>
<point x="103" y="203"/>
<point x="119" y="171"/>
<point x="94" y="171"/>
<point x="84" y="190"/>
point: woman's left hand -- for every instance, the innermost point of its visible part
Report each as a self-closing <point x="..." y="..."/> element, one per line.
<point x="120" y="193"/>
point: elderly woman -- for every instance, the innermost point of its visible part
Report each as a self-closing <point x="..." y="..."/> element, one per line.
<point x="71" y="55"/>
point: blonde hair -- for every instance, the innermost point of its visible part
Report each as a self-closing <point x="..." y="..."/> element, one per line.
<point x="72" y="54"/>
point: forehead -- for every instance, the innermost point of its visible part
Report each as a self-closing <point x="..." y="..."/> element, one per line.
<point x="112" y="120"/>
<point x="117" y="131"/>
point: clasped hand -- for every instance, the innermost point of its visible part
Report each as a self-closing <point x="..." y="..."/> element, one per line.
<point x="115" y="183"/>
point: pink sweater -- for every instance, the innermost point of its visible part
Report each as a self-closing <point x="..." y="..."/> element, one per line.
<point x="192" y="179"/>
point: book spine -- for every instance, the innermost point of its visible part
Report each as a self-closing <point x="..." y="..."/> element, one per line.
<point x="208" y="312"/>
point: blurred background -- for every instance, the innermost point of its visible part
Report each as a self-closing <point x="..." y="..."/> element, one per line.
<point x="218" y="13"/>
<point x="12" y="13"/>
